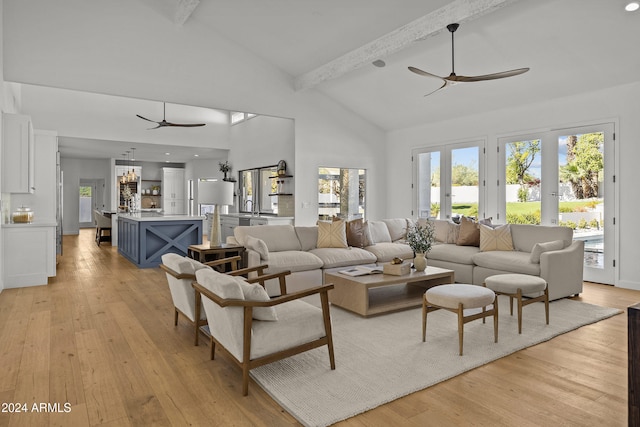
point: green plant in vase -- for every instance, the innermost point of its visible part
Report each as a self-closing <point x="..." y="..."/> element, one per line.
<point x="420" y="238"/>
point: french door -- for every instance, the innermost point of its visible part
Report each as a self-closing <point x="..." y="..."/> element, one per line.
<point x="449" y="181"/>
<point x="565" y="177"/>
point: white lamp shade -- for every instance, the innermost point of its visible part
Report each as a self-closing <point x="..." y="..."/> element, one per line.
<point x="215" y="192"/>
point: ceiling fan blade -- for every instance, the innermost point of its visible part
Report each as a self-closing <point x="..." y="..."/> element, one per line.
<point x="446" y="83"/>
<point x="424" y="73"/>
<point x="144" y="118"/>
<point x="494" y="76"/>
<point x="183" y="125"/>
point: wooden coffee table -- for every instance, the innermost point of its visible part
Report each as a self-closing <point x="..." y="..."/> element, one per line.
<point x="382" y="293"/>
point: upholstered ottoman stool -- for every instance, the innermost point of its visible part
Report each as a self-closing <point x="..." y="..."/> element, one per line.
<point x="457" y="298"/>
<point x="519" y="286"/>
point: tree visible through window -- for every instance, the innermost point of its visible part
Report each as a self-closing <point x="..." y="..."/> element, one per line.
<point x="341" y="193"/>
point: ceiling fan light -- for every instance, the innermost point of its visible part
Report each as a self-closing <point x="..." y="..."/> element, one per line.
<point x="632" y="6"/>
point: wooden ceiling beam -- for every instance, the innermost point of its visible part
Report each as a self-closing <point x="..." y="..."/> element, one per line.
<point x="457" y="11"/>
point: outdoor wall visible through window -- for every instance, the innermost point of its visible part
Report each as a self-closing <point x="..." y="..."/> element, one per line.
<point x="341" y="193"/>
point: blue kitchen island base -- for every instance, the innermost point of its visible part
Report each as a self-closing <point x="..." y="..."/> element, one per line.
<point x="143" y="240"/>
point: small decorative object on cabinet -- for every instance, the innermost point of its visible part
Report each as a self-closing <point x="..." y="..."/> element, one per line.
<point x="282" y="167"/>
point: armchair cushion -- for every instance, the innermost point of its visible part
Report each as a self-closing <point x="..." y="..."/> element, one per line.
<point x="299" y="323"/>
<point x="225" y="323"/>
<point x="182" y="292"/>
<point x="255" y="292"/>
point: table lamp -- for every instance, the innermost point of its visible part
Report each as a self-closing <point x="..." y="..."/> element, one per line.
<point x="215" y="193"/>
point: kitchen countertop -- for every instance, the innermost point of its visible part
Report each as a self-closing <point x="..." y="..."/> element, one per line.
<point x="154" y="216"/>
<point x="246" y="215"/>
<point x="31" y="224"/>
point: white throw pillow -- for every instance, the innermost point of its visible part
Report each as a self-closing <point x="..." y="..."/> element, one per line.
<point x="332" y="234"/>
<point x="540" y="248"/>
<point x="495" y="239"/>
<point x="257" y="245"/>
<point x="255" y="292"/>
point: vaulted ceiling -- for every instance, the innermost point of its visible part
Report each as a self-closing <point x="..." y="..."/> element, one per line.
<point x="571" y="46"/>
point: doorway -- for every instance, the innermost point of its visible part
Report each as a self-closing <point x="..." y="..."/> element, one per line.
<point x="91" y="196"/>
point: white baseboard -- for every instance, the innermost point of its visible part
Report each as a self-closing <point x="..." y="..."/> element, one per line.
<point x="627" y="284"/>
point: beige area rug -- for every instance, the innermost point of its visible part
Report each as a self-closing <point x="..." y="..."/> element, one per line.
<point x="383" y="358"/>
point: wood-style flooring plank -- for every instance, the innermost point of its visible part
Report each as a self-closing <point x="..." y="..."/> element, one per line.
<point x="101" y="337"/>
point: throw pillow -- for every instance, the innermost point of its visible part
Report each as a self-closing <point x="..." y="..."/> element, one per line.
<point x="332" y="234"/>
<point x="540" y="248"/>
<point x="355" y="233"/>
<point x="255" y="292"/>
<point x="379" y="232"/>
<point x="469" y="233"/>
<point x="194" y="265"/>
<point x="368" y="238"/>
<point x="257" y="245"/>
<point x="495" y="239"/>
<point x="453" y="232"/>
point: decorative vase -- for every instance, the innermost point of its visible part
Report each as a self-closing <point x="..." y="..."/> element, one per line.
<point x="420" y="262"/>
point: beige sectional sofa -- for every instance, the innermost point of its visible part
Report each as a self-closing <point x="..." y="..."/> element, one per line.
<point x="285" y="247"/>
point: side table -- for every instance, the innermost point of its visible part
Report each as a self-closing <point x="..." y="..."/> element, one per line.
<point x="204" y="253"/>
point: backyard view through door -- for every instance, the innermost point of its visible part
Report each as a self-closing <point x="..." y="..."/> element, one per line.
<point x="565" y="178"/>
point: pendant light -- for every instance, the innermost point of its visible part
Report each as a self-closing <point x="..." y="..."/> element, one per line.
<point x="133" y="176"/>
<point x="123" y="179"/>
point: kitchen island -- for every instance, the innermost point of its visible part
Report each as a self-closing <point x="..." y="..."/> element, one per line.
<point x="144" y="237"/>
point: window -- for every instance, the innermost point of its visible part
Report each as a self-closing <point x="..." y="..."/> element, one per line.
<point x="256" y="187"/>
<point x="238" y="117"/>
<point x="341" y="193"/>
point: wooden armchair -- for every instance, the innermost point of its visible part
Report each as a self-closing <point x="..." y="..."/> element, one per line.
<point x="296" y="326"/>
<point x="180" y="273"/>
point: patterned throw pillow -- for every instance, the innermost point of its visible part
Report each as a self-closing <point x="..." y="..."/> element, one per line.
<point x="332" y="234"/>
<point x="495" y="239"/>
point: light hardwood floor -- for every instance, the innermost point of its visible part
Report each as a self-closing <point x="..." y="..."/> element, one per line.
<point x="100" y="337"/>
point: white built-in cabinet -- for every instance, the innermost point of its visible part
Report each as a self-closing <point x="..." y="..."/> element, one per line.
<point x="29" y="250"/>
<point x="173" y="191"/>
<point x="29" y="254"/>
<point x="18" y="154"/>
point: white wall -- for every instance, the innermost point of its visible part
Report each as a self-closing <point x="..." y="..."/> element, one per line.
<point x="620" y="103"/>
<point x="225" y="75"/>
<point x="73" y="170"/>
<point x="2" y="201"/>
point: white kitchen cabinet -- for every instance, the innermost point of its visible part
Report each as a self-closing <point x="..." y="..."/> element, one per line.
<point x="18" y="154"/>
<point x="173" y="191"/>
<point x="29" y="254"/>
<point x="227" y="225"/>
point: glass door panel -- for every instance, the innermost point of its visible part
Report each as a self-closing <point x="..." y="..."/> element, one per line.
<point x="584" y="194"/>
<point x="429" y="184"/>
<point x="523" y="181"/>
<point x="464" y="187"/>
<point x="448" y="181"/>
